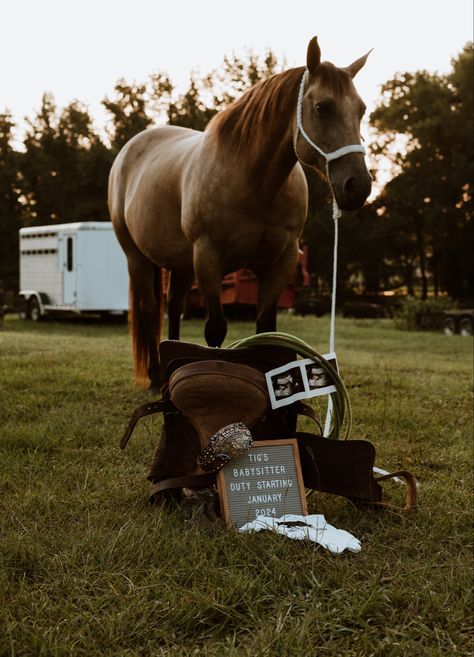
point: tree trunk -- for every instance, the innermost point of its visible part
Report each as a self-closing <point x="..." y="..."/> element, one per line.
<point x="421" y="254"/>
<point x="435" y="274"/>
<point x="409" y="279"/>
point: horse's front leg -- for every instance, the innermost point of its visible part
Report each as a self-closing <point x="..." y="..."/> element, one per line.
<point x="208" y="269"/>
<point x="271" y="284"/>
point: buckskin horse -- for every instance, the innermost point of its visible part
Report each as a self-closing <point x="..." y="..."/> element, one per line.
<point x="203" y="204"/>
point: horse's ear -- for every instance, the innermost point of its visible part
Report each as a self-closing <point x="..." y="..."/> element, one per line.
<point x="313" y="55"/>
<point x="355" y="67"/>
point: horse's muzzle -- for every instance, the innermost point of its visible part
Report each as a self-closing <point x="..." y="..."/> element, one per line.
<point x="356" y="189"/>
<point x="351" y="182"/>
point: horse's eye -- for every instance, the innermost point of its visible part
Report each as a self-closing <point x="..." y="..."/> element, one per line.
<point x="323" y="107"/>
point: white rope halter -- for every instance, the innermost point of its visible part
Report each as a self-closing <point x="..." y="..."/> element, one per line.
<point x="336" y="212"/>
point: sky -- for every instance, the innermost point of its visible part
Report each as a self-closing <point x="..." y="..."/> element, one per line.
<point x="79" y="49"/>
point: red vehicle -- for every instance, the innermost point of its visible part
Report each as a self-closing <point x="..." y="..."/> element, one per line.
<point x="240" y="288"/>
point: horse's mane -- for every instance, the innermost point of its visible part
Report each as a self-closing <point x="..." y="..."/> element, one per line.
<point x="270" y="102"/>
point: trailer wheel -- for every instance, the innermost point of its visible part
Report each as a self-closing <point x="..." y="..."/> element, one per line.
<point x="34" y="309"/>
<point x="23" y="311"/>
<point x="465" y="326"/>
<point x="449" y="326"/>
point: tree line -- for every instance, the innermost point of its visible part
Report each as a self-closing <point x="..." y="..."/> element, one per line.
<point x="417" y="233"/>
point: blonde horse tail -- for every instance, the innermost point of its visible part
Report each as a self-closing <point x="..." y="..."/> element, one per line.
<point x="145" y="328"/>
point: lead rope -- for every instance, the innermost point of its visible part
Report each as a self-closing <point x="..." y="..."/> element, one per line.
<point x="336" y="214"/>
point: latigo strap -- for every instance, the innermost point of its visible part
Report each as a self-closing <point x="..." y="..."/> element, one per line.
<point x="160" y="406"/>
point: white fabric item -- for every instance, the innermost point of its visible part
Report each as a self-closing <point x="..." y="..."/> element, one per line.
<point x="313" y="528"/>
<point x="380" y="471"/>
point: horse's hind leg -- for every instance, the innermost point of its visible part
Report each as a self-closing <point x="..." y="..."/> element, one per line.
<point x="208" y="269"/>
<point x="179" y="285"/>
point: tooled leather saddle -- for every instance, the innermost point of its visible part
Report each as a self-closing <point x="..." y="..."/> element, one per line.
<point x="208" y="389"/>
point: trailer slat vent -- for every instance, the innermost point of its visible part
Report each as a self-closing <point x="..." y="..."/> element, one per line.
<point x="39" y="251"/>
<point x="35" y="235"/>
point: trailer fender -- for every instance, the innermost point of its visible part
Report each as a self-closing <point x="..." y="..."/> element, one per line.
<point x="32" y="306"/>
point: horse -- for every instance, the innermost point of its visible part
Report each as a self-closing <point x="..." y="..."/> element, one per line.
<point x="204" y="204"/>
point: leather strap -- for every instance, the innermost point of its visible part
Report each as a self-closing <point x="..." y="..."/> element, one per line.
<point x="305" y="409"/>
<point x="189" y="481"/>
<point x="410" y="480"/>
<point x="160" y="406"/>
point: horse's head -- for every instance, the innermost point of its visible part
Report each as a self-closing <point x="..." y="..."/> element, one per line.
<point x="331" y="112"/>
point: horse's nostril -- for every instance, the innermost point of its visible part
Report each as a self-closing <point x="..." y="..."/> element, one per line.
<point x="357" y="187"/>
<point x="350" y="187"/>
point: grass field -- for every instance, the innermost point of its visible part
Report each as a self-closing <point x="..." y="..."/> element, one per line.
<point x="88" y="568"/>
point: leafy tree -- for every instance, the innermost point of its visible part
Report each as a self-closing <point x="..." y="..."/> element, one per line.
<point x="128" y="110"/>
<point x="363" y="240"/>
<point x="11" y="216"/>
<point x="431" y="197"/>
<point x="134" y="107"/>
<point x="65" y="166"/>
<point x="237" y="75"/>
<point x="189" y="110"/>
<point x="215" y="91"/>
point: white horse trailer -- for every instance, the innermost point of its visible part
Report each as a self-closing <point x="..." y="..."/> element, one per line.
<point x="72" y="268"/>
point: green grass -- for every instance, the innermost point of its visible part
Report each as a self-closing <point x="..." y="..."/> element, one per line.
<point x="88" y="568"/>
